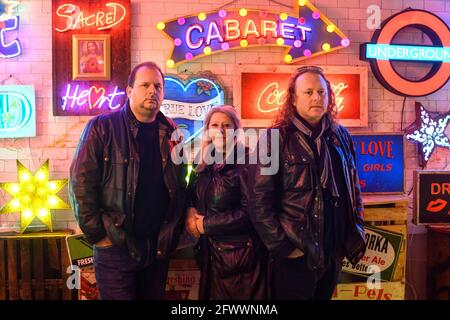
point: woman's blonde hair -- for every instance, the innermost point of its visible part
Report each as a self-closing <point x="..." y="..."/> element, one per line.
<point x="229" y="111"/>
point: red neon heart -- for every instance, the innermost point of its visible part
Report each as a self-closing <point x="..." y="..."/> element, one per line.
<point x="96" y="96"/>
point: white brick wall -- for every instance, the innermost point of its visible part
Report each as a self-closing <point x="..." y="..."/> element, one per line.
<point x="58" y="136"/>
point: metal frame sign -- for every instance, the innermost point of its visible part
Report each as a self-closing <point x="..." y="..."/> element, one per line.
<point x="382" y="253"/>
<point x="306" y="35"/>
<point x="380" y="52"/>
<point x="260" y="91"/>
<point x="432" y="197"/>
<point x="17" y="111"/>
<point x="81" y="253"/>
<point x="380" y="162"/>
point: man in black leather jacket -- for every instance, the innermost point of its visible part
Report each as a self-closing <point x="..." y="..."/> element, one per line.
<point x="127" y="194"/>
<point x="310" y="213"/>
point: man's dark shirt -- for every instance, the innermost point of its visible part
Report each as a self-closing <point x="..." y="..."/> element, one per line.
<point x="151" y="202"/>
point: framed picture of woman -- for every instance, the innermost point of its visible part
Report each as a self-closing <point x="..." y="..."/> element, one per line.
<point x="91" y="57"/>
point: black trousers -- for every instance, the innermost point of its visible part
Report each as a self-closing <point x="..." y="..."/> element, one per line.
<point x="293" y="280"/>
<point x="119" y="277"/>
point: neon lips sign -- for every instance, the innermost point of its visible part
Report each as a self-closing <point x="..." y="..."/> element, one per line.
<point x="75" y="18"/>
<point x="307" y="35"/>
<point x="380" y="52"/>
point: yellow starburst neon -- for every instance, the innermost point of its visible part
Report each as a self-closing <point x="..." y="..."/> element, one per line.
<point x="33" y="196"/>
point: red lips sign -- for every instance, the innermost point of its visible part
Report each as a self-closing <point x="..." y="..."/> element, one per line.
<point x="432" y="197"/>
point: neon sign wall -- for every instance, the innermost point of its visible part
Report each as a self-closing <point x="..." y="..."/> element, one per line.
<point x="307" y="35"/>
<point x="71" y="17"/>
<point x="17" y="112"/>
<point x="380" y="52"/>
<point x="8" y="23"/>
<point x="188" y="101"/>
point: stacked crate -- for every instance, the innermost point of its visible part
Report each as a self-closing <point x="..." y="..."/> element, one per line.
<point x="387" y="212"/>
<point x="34" y="267"/>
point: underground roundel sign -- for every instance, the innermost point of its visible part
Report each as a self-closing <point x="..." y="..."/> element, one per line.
<point x="380" y="52"/>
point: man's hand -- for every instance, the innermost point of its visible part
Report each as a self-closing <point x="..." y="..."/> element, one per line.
<point x="191" y="225"/>
<point x="297" y="253"/>
<point x="105" y="242"/>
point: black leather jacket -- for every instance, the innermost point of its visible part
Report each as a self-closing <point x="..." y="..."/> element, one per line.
<point x="232" y="258"/>
<point x="287" y="208"/>
<point x="103" y="180"/>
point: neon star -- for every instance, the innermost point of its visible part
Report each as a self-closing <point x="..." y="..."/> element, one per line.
<point x="33" y="196"/>
<point x="428" y="132"/>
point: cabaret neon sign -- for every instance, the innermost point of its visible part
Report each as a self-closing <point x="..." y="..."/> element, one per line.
<point x="75" y="18"/>
<point x="94" y="98"/>
<point x="306" y="35"/>
<point x="380" y="52"/>
<point x="13" y="48"/>
<point x="17" y="112"/>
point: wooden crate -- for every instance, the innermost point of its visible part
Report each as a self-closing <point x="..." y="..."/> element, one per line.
<point x="33" y="266"/>
<point x="386" y="212"/>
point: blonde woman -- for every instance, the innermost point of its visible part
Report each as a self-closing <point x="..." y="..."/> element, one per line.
<point x="232" y="259"/>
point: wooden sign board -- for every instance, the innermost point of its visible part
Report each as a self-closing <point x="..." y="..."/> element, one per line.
<point x="381" y="257"/>
<point x="361" y="291"/>
<point x="260" y="90"/>
<point x="432" y="197"/>
<point x="380" y="162"/>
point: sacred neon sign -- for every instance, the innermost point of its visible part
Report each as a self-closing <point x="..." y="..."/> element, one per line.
<point x="260" y="91"/>
<point x="75" y="18"/>
<point x="17" y="112"/>
<point x="78" y="99"/>
<point x="306" y="35"/>
<point x="9" y="49"/>
<point x="429" y="132"/>
<point x="380" y="52"/>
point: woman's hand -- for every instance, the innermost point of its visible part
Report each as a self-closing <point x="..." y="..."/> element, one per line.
<point x="297" y="253"/>
<point x="199" y="223"/>
<point x="191" y="225"/>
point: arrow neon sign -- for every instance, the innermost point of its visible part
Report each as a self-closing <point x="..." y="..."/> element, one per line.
<point x="306" y="35"/>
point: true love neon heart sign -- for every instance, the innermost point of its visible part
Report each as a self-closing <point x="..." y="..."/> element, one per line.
<point x="188" y="101"/>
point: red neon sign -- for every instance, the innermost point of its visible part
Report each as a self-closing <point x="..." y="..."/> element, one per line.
<point x="264" y="94"/>
<point x="75" y="18"/>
